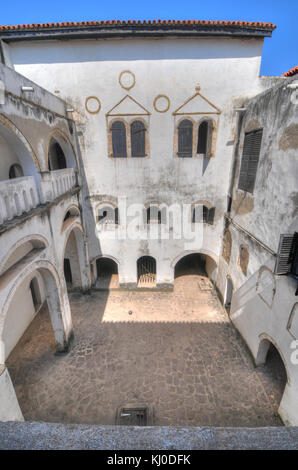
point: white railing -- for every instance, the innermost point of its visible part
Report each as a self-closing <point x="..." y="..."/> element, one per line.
<point x="17" y="196"/>
<point x="55" y="183"/>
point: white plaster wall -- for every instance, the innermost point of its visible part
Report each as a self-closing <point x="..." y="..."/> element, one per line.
<point x="9" y="406"/>
<point x="74" y="70"/>
<point x="20" y="313"/>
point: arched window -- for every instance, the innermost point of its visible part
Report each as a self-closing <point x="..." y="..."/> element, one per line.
<point x="146" y="270"/>
<point x="108" y="215"/>
<point x="205" y="138"/>
<point x="138" y="139"/>
<point x="156" y="215"/>
<point x="185" y="131"/>
<point x="57" y="160"/>
<point x="15" y="171"/>
<point x="201" y="213"/>
<point x="119" y="139"/>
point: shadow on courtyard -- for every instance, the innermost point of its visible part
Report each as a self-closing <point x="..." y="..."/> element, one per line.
<point x="194" y="372"/>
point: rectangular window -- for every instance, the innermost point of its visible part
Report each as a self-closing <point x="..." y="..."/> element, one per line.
<point x="250" y="160"/>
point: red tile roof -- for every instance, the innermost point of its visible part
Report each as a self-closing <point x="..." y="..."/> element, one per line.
<point x="221" y="24"/>
<point x="291" y="72"/>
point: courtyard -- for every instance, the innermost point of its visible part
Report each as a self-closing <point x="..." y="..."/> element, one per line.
<point x="175" y="351"/>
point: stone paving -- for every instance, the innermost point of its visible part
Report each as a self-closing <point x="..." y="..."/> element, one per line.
<point x="176" y="351"/>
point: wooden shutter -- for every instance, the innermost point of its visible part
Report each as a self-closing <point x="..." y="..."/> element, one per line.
<point x="119" y="139"/>
<point x="185" y="131"/>
<point x="137" y="137"/>
<point x="287" y="252"/>
<point x="250" y="160"/>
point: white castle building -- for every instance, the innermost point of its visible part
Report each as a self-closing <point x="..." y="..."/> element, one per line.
<point x="169" y="121"/>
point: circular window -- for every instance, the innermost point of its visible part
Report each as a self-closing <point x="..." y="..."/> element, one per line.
<point x="92" y="105"/>
<point x="127" y="79"/>
<point x="161" y="104"/>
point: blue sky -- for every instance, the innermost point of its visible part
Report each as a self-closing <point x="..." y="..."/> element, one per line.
<point x="280" y="52"/>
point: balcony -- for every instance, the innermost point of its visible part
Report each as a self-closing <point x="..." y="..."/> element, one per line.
<point x="17" y="196"/>
<point x="20" y="195"/>
<point x="55" y="183"/>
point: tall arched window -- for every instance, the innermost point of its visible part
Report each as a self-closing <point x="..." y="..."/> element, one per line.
<point x="205" y="138"/>
<point x="185" y="131"/>
<point x="57" y="160"/>
<point x="146" y="267"/>
<point x="15" y="171"/>
<point x="119" y="139"/>
<point x="138" y="139"/>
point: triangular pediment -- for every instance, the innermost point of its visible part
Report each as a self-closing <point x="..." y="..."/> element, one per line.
<point x="197" y="104"/>
<point x="128" y="106"/>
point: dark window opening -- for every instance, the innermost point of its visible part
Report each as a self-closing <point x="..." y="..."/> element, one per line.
<point x="15" y="171"/>
<point x="132" y="417"/>
<point x="108" y="215"/>
<point x="146" y="267"/>
<point x="57" y="160"/>
<point x="155" y="215"/>
<point x="203" y="214"/>
<point x="138" y="139"/>
<point x="185" y="136"/>
<point x="250" y="160"/>
<point x="67" y="271"/>
<point x="191" y="264"/>
<point x="119" y="139"/>
<point x="203" y="138"/>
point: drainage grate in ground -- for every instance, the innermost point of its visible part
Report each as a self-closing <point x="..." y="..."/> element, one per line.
<point x="134" y="416"/>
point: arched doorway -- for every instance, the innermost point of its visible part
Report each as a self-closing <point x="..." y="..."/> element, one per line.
<point x="228" y="294"/>
<point x="38" y="284"/>
<point x="146" y="271"/>
<point x="107" y="273"/>
<point x="74" y="259"/>
<point x="194" y="263"/>
<point x="272" y="369"/>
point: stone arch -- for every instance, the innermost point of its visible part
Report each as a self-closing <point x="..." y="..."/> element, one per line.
<point x="59" y="137"/>
<point x="57" y="301"/>
<point x="195" y="261"/>
<point x="22" y="149"/>
<point x="74" y="250"/>
<point x="38" y="242"/>
<point x="107" y="272"/>
<point x="69" y="216"/>
<point x="263" y="348"/>
<point x="189" y="252"/>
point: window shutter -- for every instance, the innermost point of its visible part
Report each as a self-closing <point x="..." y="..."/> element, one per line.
<point x="137" y="136"/>
<point x="185" y="130"/>
<point x="286" y="252"/>
<point x="250" y="160"/>
<point x="211" y="213"/>
<point x="119" y="139"/>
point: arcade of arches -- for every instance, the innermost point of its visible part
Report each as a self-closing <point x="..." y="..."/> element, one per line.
<point x="125" y="350"/>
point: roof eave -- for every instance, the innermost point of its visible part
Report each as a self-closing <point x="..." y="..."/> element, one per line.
<point x="130" y="31"/>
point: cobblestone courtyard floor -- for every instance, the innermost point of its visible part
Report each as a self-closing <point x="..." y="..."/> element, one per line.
<point x="176" y="351"/>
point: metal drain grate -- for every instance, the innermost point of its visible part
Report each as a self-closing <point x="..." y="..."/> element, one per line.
<point x="134" y="416"/>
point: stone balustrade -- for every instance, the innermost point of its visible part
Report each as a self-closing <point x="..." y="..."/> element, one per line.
<point x="17" y="196"/>
<point x="55" y="183"/>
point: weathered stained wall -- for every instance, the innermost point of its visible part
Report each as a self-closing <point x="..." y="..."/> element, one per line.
<point x="224" y="69"/>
